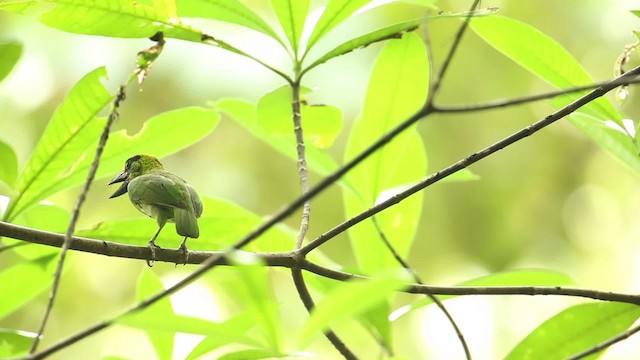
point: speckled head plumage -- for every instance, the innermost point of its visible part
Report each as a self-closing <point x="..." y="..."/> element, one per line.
<point x="135" y="166"/>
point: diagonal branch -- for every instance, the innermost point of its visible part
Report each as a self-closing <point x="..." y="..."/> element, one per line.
<point x="113" y="116"/>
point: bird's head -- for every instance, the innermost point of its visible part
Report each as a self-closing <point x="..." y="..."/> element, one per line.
<point x="134" y="167"/>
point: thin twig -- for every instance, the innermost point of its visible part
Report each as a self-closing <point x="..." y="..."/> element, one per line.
<point x="416" y="278"/>
<point x="599" y="347"/>
<point x="471" y="159"/>
<point x="113" y="116"/>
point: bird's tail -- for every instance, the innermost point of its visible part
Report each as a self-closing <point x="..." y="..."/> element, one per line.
<point x="186" y="223"/>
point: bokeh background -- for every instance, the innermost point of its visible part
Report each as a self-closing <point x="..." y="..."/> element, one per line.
<point x="553" y="201"/>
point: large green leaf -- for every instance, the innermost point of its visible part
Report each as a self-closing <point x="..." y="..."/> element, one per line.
<point x="232" y="331"/>
<point x="119" y="18"/>
<point x="23" y="282"/>
<point x="321" y="123"/>
<point x="610" y="137"/>
<point x="42" y="217"/>
<point x="162" y="135"/>
<point x="14" y="343"/>
<point x="390" y="32"/>
<point x="522" y="277"/>
<point x="252" y="289"/>
<point x="17" y="6"/>
<point x="222" y="223"/>
<point x="8" y="163"/>
<point x="244" y="113"/>
<point x="351" y="299"/>
<point x="231" y="11"/>
<point x="576" y="329"/>
<point x="334" y="13"/>
<point x="292" y="15"/>
<point x="70" y="131"/>
<point x="542" y="56"/>
<point x="397" y="89"/>
<point x="9" y="55"/>
<point x="148" y="285"/>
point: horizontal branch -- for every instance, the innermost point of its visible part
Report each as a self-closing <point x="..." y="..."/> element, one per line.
<point x="101" y="247"/>
<point x="290" y="260"/>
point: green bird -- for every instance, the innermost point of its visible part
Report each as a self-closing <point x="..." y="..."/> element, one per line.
<point x="161" y="195"/>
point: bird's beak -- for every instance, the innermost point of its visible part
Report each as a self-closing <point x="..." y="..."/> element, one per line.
<point x="123" y="188"/>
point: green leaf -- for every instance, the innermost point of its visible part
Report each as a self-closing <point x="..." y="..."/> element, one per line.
<point x="520" y="277"/>
<point x="611" y="138"/>
<point x="252" y="289"/>
<point x="42" y="217"/>
<point x="8" y="162"/>
<point x="292" y="15"/>
<point x="244" y="114"/>
<point x="636" y="12"/>
<point x="253" y="354"/>
<point x="162" y="135"/>
<point x="232" y="331"/>
<point x="17" y="6"/>
<point x="397" y="89"/>
<point x="14" y="343"/>
<point x="321" y="123"/>
<point x="351" y="299"/>
<point x="576" y="329"/>
<point x="148" y="285"/>
<point x="119" y="18"/>
<point x="222" y="223"/>
<point x="9" y="55"/>
<point x="231" y="11"/>
<point x="23" y="282"/>
<point x="542" y="56"/>
<point x="335" y="12"/>
<point x="70" y="131"/>
<point x="390" y="32"/>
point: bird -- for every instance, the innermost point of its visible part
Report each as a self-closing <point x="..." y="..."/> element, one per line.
<point x="161" y="195"/>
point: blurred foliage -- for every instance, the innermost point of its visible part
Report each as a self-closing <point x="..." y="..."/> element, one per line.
<point x="216" y="107"/>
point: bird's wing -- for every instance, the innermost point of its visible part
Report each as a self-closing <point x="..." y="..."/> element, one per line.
<point x="159" y="188"/>
<point x="195" y="200"/>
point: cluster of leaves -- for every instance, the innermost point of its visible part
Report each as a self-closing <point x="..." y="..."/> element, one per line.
<point x="397" y="88"/>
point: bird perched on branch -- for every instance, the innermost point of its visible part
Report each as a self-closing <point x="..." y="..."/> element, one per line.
<point x="161" y="195"/>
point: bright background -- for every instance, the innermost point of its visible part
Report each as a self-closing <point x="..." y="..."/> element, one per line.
<point x="554" y="201"/>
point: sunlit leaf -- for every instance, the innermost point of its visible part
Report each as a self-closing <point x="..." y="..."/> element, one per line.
<point x="232" y="331"/>
<point x="8" y="163"/>
<point x="335" y="12"/>
<point x="119" y="18"/>
<point x="360" y="296"/>
<point x="253" y="354"/>
<point x="542" y="56"/>
<point x="389" y="32"/>
<point x="9" y="55"/>
<point x="615" y="141"/>
<point x="162" y="135"/>
<point x="521" y="277"/>
<point x="17" y="6"/>
<point x="222" y="223"/>
<point x="244" y="113"/>
<point x="70" y="131"/>
<point x="148" y="285"/>
<point x="254" y="291"/>
<point x="231" y="11"/>
<point x="42" y="217"/>
<point x="397" y="89"/>
<point x="14" y="343"/>
<point x="576" y="329"/>
<point x="23" y="282"/>
<point x="321" y="123"/>
<point x="292" y="15"/>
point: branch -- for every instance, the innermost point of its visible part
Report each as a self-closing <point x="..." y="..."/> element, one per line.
<point x="113" y="116"/>
<point x="471" y="159"/>
<point x="599" y="347"/>
<point x="290" y="260"/>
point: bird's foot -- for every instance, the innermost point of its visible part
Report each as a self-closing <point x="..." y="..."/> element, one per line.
<point x="185" y="252"/>
<point x="152" y="248"/>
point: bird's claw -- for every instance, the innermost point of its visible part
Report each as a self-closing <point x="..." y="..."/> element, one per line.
<point x="152" y="248"/>
<point x="185" y="253"/>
